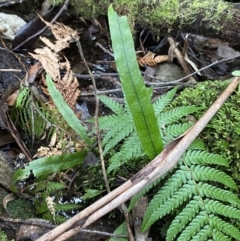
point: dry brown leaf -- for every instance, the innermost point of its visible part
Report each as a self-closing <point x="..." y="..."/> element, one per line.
<point x="64" y="36"/>
<point x="151" y="59"/>
<point x="51" y="62"/>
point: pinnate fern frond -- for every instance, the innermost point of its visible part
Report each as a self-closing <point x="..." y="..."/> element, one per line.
<point x="175" y="130"/>
<point x="216" y="193"/>
<point x="198" y="192"/>
<point x="193" y="227"/>
<point x="130" y="149"/>
<point x="204" y="158"/>
<point x="203" y="173"/>
<point x="175" y="114"/>
<point x="213" y="206"/>
<point x="181" y="220"/>
<point x="54" y="186"/>
<point x="113" y="105"/>
<point x="118" y="133"/>
<point x="163" y="101"/>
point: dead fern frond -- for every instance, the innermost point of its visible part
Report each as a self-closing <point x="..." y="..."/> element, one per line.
<point x="68" y="86"/>
<point x="64" y="36"/>
<point x="151" y="59"/>
<point x="50" y="62"/>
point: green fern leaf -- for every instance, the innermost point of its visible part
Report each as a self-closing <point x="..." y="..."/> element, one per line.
<point x="197" y="144"/>
<point x="131" y="148"/>
<point x="194" y="227"/>
<point x="113" y="105"/>
<point x="137" y="96"/>
<point x="169" y="188"/>
<point x="182" y="219"/>
<point x="175" y="130"/>
<point x="109" y="122"/>
<point x="227" y="228"/>
<point x="175" y="114"/>
<point x="217" y="235"/>
<point x="117" y="138"/>
<point x="204" y="158"/>
<point x="204" y="234"/>
<point x="24" y="92"/>
<point x="135" y="198"/>
<point x="216" y="193"/>
<point x="212" y="206"/>
<point x="181" y="195"/>
<point x="202" y="173"/>
<point x="54" y="186"/>
<point x="163" y="101"/>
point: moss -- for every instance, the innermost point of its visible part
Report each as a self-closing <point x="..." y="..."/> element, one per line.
<point x="21" y="208"/>
<point x="222" y="134"/>
<point x="157" y="13"/>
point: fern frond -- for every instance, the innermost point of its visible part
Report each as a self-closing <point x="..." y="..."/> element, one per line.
<point x="163" y="101"/>
<point x="193" y="157"/>
<point x="66" y="206"/>
<point x="54" y="186"/>
<point x="135" y="198"/>
<point x="117" y="133"/>
<point x="202" y="173"/>
<point x="181" y="195"/>
<point x="182" y="219"/>
<point x="197" y="144"/>
<point x="175" y="130"/>
<point x="110" y="122"/>
<point x="113" y="105"/>
<point x="217" y="235"/>
<point x="117" y="138"/>
<point x="227" y="228"/>
<point x="131" y="148"/>
<point x="24" y="92"/>
<point x="194" y="227"/>
<point x="216" y="193"/>
<point x="175" y="114"/>
<point x="204" y="234"/>
<point x="169" y="188"/>
<point x="217" y="207"/>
